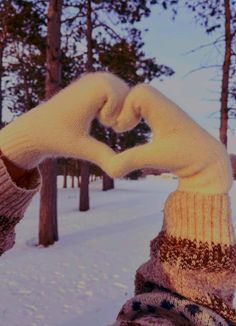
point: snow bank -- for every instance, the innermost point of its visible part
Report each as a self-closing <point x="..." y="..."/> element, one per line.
<point x="84" y="279"/>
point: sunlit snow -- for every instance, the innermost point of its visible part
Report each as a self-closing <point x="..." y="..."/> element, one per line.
<point x="84" y="279"/>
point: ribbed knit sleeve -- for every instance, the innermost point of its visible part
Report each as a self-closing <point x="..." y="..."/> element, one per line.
<point x="13" y="202"/>
<point x="195" y="253"/>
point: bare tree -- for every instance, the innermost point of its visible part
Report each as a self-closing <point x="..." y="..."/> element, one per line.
<point x="217" y="16"/>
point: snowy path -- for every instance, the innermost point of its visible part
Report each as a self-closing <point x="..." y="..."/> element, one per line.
<point x="84" y="279"/>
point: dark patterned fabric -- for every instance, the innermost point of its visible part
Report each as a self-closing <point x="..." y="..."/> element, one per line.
<point x="191" y="255"/>
<point x="162" y="307"/>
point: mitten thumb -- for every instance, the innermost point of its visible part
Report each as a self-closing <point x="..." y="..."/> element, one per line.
<point x="85" y="148"/>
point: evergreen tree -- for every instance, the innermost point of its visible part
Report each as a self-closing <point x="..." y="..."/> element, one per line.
<point x="114" y="44"/>
<point x="127" y="59"/>
<point x="20" y="50"/>
<point x="106" y="26"/>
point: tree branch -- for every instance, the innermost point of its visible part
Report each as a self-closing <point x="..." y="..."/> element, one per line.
<point x="218" y="40"/>
<point x="201" y="68"/>
<point x="108" y="29"/>
<point x="70" y="19"/>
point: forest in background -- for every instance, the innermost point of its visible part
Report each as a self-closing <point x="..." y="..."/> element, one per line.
<point x="44" y="45"/>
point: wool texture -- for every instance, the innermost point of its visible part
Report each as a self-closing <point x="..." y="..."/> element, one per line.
<point x="13" y="202"/>
<point x="178" y="144"/>
<point x="194" y="255"/>
<point x="190" y="277"/>
<point x="155" y="306"/>
<point x="61" y="126"/>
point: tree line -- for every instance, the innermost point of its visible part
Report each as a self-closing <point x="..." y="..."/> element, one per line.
<point x="44" y="45"/>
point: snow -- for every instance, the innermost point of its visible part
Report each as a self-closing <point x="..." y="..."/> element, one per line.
<point x="83" y="279"/>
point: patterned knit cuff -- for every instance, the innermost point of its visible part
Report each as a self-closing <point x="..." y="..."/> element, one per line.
<point x="14" y="199"/>
<point x="195" y="253"/>
<point x="200" y="218"/>
<point x="163" y="307"/>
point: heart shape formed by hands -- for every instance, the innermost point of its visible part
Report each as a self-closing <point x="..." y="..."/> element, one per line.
<point x="60" y="127"/>
<point x="178" y="144"/>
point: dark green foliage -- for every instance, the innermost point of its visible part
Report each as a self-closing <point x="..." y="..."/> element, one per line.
<point x="24" y="54"/>
<point x="129" y="61"/>
<point x="117" y="46"/>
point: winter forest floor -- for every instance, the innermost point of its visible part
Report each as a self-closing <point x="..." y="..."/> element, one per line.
<point x="84" y="279"/>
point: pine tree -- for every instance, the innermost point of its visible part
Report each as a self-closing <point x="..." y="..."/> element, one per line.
<point x="102" y="25"/>
<point x="127" y="59"/>
<point x="19" y="52"/>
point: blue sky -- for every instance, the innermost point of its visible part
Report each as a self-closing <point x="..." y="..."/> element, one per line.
<point x="197" y="93"/>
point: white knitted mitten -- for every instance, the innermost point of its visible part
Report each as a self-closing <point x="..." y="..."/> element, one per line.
<point x="60" y="126"/>
<point x="178" y="144"/>
<point x="195" y="252"/>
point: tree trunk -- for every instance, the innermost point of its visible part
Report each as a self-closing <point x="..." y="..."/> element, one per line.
<point x="89" y="38"/>
<point x="27" y="101"/>
<point x="48" y="231"/>
<point x="73" y="173"/>
<point x="84" y="187"/>
<point x="3" y="43"/>
<point x="107" y="182"/>
<point x="225" y="75"/>
<point x="65" y="173"/>
<point x="1" y="75"/>
<point x="77" y="172"/>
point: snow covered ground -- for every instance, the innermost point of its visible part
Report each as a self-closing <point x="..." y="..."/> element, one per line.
<point x="84" y="279"/>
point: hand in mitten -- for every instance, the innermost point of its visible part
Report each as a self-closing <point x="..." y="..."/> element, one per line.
<point x="60" y="126"/>
<point x="178" y="144"/>
<point x="194" y="254"/>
